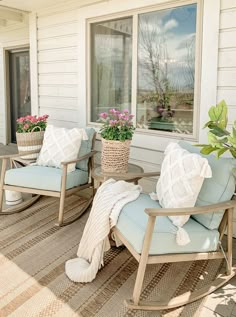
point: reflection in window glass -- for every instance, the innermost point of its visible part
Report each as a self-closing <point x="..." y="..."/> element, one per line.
<point x="111" y="64"/>
<point x="166" y="68"/>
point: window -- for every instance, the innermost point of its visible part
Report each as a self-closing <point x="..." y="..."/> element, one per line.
<point x="162" y="94"/>
<point x="111" y="65"/>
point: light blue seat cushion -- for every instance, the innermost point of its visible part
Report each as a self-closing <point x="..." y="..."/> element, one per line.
<point x="85" y="148"/>
<point x="217" y="189"/>
<point x="132" y="224"/>
<point x="46" y="178"/>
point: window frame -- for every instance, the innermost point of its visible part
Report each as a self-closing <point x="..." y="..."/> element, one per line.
<point x="134" y="13"/>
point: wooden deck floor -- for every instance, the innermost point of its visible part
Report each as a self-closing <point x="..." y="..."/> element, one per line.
<point x="220" y="303"/>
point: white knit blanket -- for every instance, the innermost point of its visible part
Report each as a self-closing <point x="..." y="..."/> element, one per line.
<point x="108" y="202"/>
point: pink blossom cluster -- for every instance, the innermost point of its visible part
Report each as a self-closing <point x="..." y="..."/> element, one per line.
<point x="117" y="118"/>
<point x="28" y="123"/>
<point x="33" y="119"/>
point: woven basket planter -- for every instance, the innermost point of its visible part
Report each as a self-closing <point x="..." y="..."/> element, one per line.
<point x="115" y="156"/>
<point x="30" y="141"/>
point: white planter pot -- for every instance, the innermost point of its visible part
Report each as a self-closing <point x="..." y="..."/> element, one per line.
<point x="13" y="198"/>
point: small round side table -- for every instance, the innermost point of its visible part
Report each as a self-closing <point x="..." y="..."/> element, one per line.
<point x="98" y="175"/>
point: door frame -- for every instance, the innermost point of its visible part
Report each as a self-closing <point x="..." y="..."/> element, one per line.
<point x="6" y="55"/>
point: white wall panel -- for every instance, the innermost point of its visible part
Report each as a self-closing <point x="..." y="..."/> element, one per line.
<point x="58" y="30"/>
<point x="58" y="91"/>
<point x="56" y="55"/>
<point x="58" y="102"/>
<point x="57" y="67"/>
<point x="227" y="38"/>
<point x="54" y="43"/>
<point x="58" y="18"/>
<point x="228" y="94"/>
<point x="227" y="77"/>
<point x="61" y="114"/>
<point x="228" y="4"/>
<point x="227" y="57"/>
<point x="227" y="19"/>
<point x="58" y="79"/>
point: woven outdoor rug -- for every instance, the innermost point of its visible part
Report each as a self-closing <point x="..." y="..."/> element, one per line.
<point x="32" y="280"/>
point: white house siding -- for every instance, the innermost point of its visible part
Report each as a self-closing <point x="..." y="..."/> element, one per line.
<point x="12" y="35"/>
<point x="227" y="61"/>
<point x="60" y="42"/>
<point x="227" y="57"/>
<point x="57" y="66"/>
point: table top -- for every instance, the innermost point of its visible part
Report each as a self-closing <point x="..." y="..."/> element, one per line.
<point x="132" y="169"/>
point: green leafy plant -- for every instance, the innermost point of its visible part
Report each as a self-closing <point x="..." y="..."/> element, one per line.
<point x="117" y="125"/>
<point x="219" y="138"/>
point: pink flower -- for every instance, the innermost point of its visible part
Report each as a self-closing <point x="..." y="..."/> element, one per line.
<point x="20" y="120"/>
<point x="122" y="116"/>
<point x="113" y="122"/>
<point x="103" y="115"/>
<point x="34" y="120"/>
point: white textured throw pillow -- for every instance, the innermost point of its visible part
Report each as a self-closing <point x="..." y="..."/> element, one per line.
<point x="181" y="179"/>
<point x="60" y="145"/>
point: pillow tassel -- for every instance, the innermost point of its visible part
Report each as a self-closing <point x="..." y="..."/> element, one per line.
<point x="182" y="237"/>
<point x="153" y="196"/>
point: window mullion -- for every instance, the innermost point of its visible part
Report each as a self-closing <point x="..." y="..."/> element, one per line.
<point x="134" y="66"/>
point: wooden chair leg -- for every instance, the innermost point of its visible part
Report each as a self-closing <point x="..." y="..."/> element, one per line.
<point x="62" y="196"/>
<point x="143" y="260"/>
<point x="3" y="172"/>
<point x="229" y="240"/>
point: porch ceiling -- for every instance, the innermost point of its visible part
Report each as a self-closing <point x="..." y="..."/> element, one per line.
<point x="34" y="5"/>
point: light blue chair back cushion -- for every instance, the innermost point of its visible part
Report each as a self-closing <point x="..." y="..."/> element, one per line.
<point x="217" y="189"/>
<point x="85" y="148"/>
<point x="132" y="224"/>
<point x="45" y="178"/>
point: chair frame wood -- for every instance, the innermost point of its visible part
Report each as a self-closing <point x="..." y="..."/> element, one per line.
<point x="145" y="258"/>
<point x="62" y="194"/>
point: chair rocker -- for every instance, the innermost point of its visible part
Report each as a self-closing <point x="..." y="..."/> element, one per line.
<point x="147" y="232"/>
<point x="50" y="181"/>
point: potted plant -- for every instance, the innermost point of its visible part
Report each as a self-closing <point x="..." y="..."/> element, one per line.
<point x="30" y="133"/>
<point x="220" y="140"/>
<point x="117" y="132"/>
<point x="164" y="118"/>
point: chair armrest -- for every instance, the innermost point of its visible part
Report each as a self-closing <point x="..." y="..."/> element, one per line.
<point x="12" y="156"/>
<point x="127" y="176"/>
<point x="191" y="210"/>
<point x="85" y="157"/>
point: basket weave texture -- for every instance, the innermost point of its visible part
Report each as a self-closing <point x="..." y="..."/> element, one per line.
<point x="115" y="156"/>
<point x="30" y="141"/>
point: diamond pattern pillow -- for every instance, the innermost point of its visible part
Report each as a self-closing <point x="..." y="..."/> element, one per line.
<point x="60" y="145"/>
<point x="181" y="179"/>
